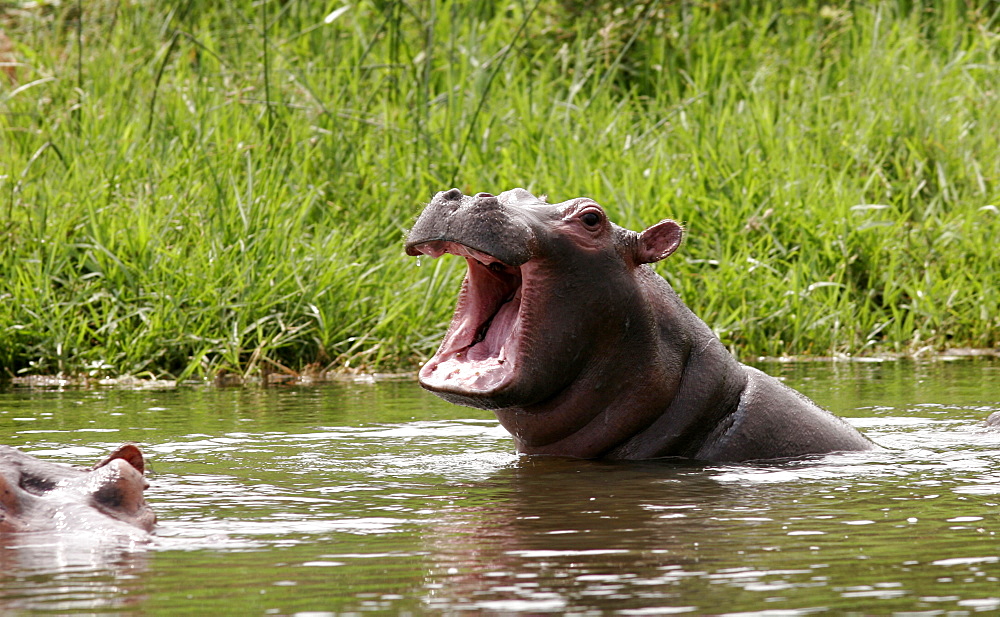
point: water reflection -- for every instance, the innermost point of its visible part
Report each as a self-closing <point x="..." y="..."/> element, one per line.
<point x="63" y="572"/>
<point x="647" y="538"/>
<point x="561" y="530"/>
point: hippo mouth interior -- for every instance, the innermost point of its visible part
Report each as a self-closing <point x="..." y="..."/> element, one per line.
<point x="479" y="351"/>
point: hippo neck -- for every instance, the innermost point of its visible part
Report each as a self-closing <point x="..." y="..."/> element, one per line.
<point x="709" y="391"/>
<point x="658" y="396"/>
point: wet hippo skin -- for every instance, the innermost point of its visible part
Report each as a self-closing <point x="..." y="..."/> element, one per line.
<point x="37" y="495"/>
<point x="582" y="350"/>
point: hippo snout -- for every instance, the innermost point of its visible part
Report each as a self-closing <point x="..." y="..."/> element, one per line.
<point x="481" y="222"/>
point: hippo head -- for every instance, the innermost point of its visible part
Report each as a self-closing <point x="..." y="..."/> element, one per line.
<point x="37" y="495"/>
<point x="550" y="291"/>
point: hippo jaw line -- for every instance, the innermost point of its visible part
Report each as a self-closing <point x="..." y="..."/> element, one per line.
<point x="479" y="355"/>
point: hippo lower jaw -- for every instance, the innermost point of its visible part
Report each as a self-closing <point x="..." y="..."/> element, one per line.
<point x="478" y="356"/>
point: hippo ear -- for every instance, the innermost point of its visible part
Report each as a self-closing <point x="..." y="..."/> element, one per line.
<point x="130" y="453"/>
<point x="659" y="241"/>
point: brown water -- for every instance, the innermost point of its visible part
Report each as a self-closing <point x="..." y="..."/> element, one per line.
<point x="381" y="499"/>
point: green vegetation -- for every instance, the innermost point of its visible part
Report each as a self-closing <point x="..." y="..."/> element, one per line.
<point x="194" y="187"/>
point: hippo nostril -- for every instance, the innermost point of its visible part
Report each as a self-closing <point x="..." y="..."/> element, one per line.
<point x="486" y="201"/>
<point x="452" y="194"/>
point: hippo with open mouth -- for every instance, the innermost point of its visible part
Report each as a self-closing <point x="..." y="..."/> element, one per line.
<point x="582" y="350"/>
<point x="39" y="496"/>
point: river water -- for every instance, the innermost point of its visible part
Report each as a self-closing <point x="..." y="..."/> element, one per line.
<point x="347" y="499"/>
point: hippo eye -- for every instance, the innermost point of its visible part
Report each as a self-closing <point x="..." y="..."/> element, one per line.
<point x="591" y="219"/>
<point x="36" y="485"/>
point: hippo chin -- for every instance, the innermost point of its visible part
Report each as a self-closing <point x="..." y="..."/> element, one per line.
<point x="582" y="350"/>
<point x="40" y="496"/>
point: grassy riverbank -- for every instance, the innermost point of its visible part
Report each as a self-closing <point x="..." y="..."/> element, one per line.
<point x="194" y="187"/>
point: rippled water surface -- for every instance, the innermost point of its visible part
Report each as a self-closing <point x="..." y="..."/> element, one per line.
<point x="348" y="499"/>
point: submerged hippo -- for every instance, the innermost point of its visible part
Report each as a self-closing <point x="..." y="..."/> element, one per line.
<point x="37" y="495"/>
<point x="582" y="350"/>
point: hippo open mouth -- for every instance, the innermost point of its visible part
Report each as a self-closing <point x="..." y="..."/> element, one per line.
<point x="479" y="352"/>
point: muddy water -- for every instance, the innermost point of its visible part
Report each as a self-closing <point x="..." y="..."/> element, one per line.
<point x="381" y="499"/>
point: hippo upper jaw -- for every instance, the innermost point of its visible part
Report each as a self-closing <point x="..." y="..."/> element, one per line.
<point x="478" y="358"/>
<point x="482" y="223"/>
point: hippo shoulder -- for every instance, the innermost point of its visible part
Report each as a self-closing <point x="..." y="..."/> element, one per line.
<point x="774" y="421"/>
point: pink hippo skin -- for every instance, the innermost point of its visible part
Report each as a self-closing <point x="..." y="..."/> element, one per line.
<point x="39" y="496"/>
<point x="582" y="350"/>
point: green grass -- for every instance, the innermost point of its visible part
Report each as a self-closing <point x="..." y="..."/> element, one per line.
<point x="189" y="188"/>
